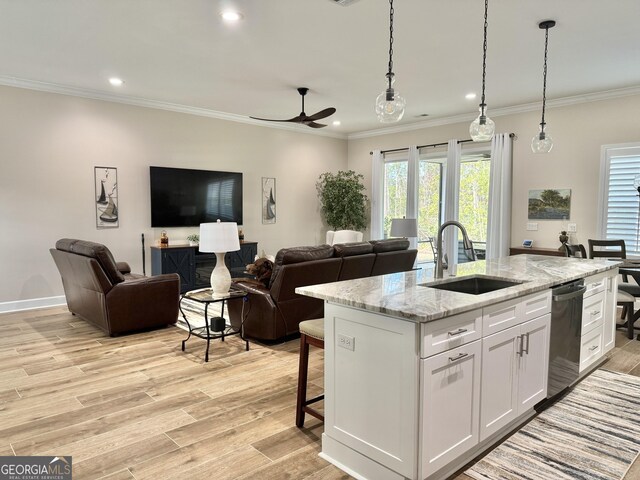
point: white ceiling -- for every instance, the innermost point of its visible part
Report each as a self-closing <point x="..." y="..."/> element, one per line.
<point x="180" y="52"/>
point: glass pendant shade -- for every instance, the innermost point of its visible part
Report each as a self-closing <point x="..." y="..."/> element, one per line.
<point x="482" y="128"/>
<point x="390" y="106"/>
<point x="542" y="142"/>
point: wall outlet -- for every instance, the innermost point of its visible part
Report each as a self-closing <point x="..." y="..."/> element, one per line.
<point x="347" y="342"/>
<point x="571" y="228"/>
<point x="531" y="226"/>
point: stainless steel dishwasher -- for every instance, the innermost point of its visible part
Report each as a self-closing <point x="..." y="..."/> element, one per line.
<point x="566" y="329"/>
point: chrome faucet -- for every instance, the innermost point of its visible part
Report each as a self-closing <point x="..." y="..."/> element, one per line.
<point x="467" y="243"/>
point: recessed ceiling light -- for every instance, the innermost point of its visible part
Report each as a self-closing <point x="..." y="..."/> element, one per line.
<point x="336" y="123"/>
<point x="470" y="96"/>
<point x="231" y="16"/>
<point x="116" y="82"/>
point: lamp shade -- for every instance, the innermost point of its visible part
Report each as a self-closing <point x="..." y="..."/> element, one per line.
<point x="219" y="237"/>
<point x="404" y="227"/>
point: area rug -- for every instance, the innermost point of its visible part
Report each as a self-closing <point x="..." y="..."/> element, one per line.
<point x="592" y="433"/>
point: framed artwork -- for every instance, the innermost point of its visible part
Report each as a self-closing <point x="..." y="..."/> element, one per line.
<point x="268" y="200"/>
<point x="106" y="198"/>
<point x="550" y="204"/>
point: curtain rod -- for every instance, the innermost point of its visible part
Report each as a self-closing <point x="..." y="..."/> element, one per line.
<point x="511" y="135"/>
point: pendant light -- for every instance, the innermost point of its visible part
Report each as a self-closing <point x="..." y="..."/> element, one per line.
<point x="390" y="104"/>
<point x="483" y="128"/>
<point x="542" y="142"/>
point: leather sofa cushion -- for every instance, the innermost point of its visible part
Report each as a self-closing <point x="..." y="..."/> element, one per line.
<point x="389" y="245"/>
<point x="352" y="248"/>
<point x="287" y="256"/>
<point x="93" y="250"/>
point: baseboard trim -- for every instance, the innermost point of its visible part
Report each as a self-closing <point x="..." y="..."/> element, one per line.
<point x="32" y="304"/>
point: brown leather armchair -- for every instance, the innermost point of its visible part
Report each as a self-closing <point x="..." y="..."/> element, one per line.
<point x="107" y="295"/>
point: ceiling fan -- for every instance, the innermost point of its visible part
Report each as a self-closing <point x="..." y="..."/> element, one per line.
<point x="303" y="118"/>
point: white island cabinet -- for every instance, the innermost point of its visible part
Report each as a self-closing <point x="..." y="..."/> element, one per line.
<point x="418" y="380"/>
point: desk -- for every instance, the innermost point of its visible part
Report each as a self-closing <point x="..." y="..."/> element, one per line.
<point x="204" y="296"/>
<point x="552" y="252"/>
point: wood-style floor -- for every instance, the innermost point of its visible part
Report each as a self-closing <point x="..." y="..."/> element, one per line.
<point x="136" y="406"/>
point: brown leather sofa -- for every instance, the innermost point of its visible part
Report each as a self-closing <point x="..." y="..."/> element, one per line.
<point x="274" y="312"/>
<point x="107" y="295"/>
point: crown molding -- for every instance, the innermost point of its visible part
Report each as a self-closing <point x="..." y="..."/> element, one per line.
<point x="156" y="104"/>
<point x="497" y="112"/>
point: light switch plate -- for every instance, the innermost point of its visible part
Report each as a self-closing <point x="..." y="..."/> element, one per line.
<point x="345" y="341"/>
<point x="571" y="228"/>
<point x="531" y="226"/>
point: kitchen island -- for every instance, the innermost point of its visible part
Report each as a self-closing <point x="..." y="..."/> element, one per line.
<point x="419" y="380"/>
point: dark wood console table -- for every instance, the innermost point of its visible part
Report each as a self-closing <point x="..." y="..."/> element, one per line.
<point x="551" y="252"/>
<point x="195" y="267"/>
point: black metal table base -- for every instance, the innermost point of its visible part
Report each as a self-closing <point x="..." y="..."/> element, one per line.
<point x="207" y="333"/>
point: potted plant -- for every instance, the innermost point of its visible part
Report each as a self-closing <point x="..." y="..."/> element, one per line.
<point x="342" y="198"/>
<point x="193" y="239"/>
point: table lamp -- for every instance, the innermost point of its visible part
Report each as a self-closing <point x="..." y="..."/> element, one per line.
<point x="219" y="238"/>
<point x="404" y="227"/>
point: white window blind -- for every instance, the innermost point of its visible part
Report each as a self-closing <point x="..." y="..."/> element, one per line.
<point x="622" y="204"/>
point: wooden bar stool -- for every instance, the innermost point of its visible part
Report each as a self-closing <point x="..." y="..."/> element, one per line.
<point x="627" y="301"/>
<point x="311" y="333"/>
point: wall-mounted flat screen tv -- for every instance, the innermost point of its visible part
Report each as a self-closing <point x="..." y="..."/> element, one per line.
<point x="182" y="197"/>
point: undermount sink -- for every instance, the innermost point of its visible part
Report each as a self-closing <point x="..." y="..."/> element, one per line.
<point x="476" y="285"/>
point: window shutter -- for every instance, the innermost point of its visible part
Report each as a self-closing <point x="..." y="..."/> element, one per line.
<point x="623" y="202"/>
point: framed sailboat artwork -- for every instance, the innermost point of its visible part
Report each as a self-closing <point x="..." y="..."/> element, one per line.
<point x="268" y="200"/>
<point x="106" y="197"/>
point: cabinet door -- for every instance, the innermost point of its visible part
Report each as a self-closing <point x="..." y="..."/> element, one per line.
<point x="610" y="309"/>
<point x="450" y="405"/>
<point x="533" y="363"/>
<point x="182" y="262"/>
<point x="499" y="400"/>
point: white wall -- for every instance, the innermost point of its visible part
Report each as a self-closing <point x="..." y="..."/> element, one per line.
<point x="578" y="132"/>
<point x="49" y="145"/>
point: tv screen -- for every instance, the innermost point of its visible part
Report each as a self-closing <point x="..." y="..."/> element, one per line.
<point x="182" y="197"/>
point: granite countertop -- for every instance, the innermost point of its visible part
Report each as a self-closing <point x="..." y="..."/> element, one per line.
<point x="401" y="295"/>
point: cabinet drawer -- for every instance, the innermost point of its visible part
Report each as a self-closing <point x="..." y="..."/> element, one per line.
<point x="450" y="332"/>
<point x="537" y="305"/>
<point x="590" y="347"/>
<point x="593" y="312"/>
<point x="595" y="284"/>
<point x="501" y="315"/>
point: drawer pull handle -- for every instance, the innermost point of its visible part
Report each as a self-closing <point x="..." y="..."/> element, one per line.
<point x="595" y="285"/>
<point x="595" y="312"/>
<point x="520" y="338"/>
<point x="457" y="332"/>
<point x="591" y="349"/>
<point x="458" y="357"/>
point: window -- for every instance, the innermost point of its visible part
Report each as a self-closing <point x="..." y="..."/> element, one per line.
<point x="620" y="211"/>
<point x="395" y="191"/>
<point x="473" y="198"/>
<point x="430" y="203"/>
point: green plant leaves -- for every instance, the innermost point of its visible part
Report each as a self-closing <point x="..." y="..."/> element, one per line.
<point x="344" y="205"/>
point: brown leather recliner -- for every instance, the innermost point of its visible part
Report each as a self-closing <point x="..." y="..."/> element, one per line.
<point x="107" y="295"/>
<point x="275" y="312"/>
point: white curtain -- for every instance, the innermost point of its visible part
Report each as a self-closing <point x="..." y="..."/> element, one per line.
<point x="377" y="192"/>
<point x="499" y="219"/>
<point x="452" y="180"/>
<point x="412" y="185"/>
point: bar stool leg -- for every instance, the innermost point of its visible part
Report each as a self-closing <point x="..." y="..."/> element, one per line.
<point x="302" y="380"/>
<point x="630" y="322"/>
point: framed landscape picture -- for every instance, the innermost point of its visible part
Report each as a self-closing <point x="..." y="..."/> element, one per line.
<point x="106" y="197"/>
<point x="550" y="204"/>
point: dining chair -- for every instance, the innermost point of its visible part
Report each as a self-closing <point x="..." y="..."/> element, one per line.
<point x="616" y="249"/>
<point x="574" y="250"/>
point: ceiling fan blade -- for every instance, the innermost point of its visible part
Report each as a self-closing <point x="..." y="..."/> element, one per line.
<point x="314" y="125"/>
<point x="294" y="119"/>
<point x="322" y="114"/>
